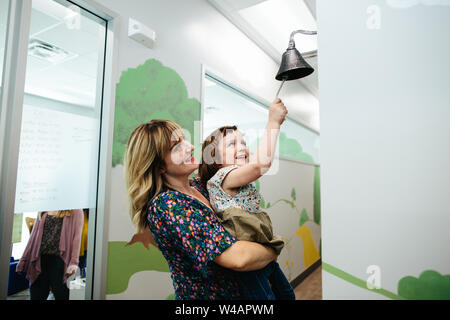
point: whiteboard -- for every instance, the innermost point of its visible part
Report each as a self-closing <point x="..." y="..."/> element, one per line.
<point x="58" y="159"/>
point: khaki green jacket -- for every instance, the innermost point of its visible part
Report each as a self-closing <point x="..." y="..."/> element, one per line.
<point x="256" y="227"/>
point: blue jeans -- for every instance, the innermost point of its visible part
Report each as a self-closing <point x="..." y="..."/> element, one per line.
<point x="268" y="283"/>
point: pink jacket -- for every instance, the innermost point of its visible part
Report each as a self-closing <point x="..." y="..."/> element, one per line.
<point x="69" y="245"/>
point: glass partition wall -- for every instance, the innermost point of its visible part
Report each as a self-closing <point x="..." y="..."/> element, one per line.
<point x="57" y="166"/>
<point x="4" y="9"/>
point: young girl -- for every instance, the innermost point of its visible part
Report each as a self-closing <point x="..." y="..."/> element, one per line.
<point x="229" y="173"/>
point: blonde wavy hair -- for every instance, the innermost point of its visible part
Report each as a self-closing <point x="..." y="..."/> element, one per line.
<point x="60" y="214"/>
<point x="144" y="159"/>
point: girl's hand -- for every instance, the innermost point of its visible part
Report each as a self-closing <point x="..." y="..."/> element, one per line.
<point x="277" y="112"/>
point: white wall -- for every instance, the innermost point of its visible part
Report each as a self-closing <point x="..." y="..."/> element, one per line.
<point x="385" y="136"/>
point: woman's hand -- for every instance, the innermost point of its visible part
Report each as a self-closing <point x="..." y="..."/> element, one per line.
<point x="277" y="112"/>
<point x="71" y="269"/>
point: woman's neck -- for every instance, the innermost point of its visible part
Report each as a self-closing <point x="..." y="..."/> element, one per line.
<point x="180" y="183"/>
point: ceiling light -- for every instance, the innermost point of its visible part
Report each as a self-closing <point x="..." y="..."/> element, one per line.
<point x="275" y="19"/>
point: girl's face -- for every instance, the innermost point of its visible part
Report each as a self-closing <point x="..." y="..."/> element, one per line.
<point x="179" y="160"/>
<point x="233" y="149"/>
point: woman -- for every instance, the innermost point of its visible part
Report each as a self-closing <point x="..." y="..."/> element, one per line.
<point x="52" y="253"/>
<point x="200" y="253"/>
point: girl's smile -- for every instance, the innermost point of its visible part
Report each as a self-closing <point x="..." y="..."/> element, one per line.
<point x="233" y="149"/>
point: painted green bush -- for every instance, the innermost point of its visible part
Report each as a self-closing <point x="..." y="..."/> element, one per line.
<point x="316" y="209"/>
<point x="150" y="91"/>
<point x="288" y="148"/>
<point x="124" y="261"/>
<point x="303" y="217"/>
<point x="291" y="148"/>
<point x="171" y="296"/>
<point x="293" y="195"/>
<point x="430" y="285"/>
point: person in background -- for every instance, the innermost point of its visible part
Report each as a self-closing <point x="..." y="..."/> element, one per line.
<point x="52" y="253"/>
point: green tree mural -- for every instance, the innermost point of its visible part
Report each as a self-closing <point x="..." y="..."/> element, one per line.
<point x="310" y="253"/>
<point x="288" y="148"/>
<point x="430" y="285"/>
<point x="124" y="261"/>
<point x="303" y="217"/>
<point x="291" y="148"/>
<point x="151" y="91"/>
<point x="316" y="195"/>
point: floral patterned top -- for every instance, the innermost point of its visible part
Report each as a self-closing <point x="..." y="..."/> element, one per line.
<point x="247" y="198"/>
<point x="51" y="235"/>
<point x="190" y="237"/>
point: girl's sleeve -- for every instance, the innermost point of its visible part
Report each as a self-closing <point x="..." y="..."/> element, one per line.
<point x="215" y="183"/>
<point x="197" y="234"/>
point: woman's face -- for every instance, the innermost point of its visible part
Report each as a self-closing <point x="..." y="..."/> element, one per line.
<point x="179" y="160"/>
<point x="233" y="149"/>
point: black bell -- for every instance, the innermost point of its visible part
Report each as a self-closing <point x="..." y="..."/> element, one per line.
<point x="293" y="66"/>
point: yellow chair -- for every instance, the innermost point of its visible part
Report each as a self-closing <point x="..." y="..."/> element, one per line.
<point x="30" y="223"/>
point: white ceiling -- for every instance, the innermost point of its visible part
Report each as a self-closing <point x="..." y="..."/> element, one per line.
<point x="73" y="80"/>
<point x="269" y="24"/>
<point x="276" y="19"/>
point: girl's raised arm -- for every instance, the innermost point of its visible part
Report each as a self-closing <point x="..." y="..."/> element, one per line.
<point x="261" y="160"/>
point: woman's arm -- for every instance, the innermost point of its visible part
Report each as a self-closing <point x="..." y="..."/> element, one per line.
<point x="78" y="219"/>
<point x="203" y="228"/>
<point x="246" y="256"/>
<point x="26" y="256"/>
<point x="261" y="160"/>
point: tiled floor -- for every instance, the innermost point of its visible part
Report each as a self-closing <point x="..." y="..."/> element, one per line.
<point x="311" y="287"/>
<point x="23" y="295"/>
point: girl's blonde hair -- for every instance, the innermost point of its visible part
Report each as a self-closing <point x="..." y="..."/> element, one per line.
<point x="60" y="214"/>
<point x="144" y="159"/>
